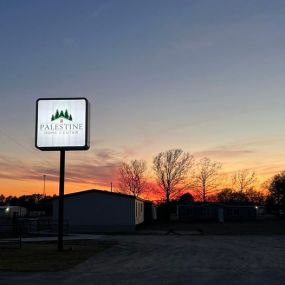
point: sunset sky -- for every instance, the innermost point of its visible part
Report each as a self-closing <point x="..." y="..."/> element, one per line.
<point x="204" y="76"/>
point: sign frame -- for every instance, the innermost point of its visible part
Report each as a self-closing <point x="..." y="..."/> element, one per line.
<point x="86" y="145"/>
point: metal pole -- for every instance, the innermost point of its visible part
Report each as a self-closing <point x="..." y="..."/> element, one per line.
<point x="44" y="185"/>
<point x="61" y="201"/>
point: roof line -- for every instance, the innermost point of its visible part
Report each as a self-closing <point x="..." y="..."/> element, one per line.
<point x="101" y="192"/>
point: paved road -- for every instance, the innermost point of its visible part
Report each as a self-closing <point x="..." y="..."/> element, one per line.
<point x="174" y="260"/>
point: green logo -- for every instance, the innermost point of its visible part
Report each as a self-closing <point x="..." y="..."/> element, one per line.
<point x="61" y="114"/>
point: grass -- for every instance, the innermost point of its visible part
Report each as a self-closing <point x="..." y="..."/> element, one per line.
<point x="45" y="257"/>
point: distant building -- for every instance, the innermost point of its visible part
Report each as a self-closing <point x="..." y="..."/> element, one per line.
<point x="150" y="213"/>
<point x="12" y="211"/>
<point x="101" y="211"/>
<point x="37" y="213"/>
<point x="215" y="212"/>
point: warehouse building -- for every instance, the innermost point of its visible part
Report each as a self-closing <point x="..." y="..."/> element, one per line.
<point x="101" y="211"/>
<point x="216" y="212"/>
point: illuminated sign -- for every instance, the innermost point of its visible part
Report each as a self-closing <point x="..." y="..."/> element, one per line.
<point x="62" y="124"/>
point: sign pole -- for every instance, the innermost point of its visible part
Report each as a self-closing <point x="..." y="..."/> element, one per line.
<point x="62" y="124"/>
<point x="61" y="201"/>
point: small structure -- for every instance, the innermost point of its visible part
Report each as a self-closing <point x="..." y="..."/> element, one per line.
<point x="150" y="213"/>
<point x="37" y="213"/>
<point x="101" y="211"/>
<point x="240" y="212"/>
<point x="12" y="211"/>
<point x="215" y="212"/>
<point x="192" y="212"/>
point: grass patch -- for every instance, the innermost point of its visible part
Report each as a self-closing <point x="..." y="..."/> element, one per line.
<point x="45" y="257"/>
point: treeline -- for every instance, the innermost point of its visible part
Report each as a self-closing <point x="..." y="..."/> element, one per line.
<point x="175" y="172"/>
<point x="34" y="202"/>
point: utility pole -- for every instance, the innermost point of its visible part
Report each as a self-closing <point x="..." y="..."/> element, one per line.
<point x="111" y="187"/>
<point x="44" y="192"/>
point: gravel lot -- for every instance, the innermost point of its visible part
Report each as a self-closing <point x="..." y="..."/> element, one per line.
<point x="171" y="259"/>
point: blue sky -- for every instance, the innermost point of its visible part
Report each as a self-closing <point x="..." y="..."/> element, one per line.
<point x="206" y="76"/>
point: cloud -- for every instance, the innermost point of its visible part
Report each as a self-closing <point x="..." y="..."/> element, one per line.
<point x="225" y="152"/>
<point x="11" y="168"/>
<point x="270" y="170"/>
<point x="107" y="154"/>
<point x="98" y="168"/>
<point x="242" y="148"/>
<point x="198" y="123"/>
<point x="83" y="173"/>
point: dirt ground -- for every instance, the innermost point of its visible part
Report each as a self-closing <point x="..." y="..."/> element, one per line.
<point x="172" y="259"/>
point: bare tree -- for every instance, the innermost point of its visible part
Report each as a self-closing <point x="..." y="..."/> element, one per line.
<point x="243" y="180"/>
<point x="171" y="170"/>
<point x="132" y="177"/>
<point x="205" y="177"/>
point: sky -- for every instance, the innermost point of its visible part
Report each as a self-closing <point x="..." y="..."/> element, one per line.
<point x="205" y="76"/>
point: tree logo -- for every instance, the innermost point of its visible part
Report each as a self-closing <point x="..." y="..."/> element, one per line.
<point x="61" y="122"/>
<point x="61" y="115"/>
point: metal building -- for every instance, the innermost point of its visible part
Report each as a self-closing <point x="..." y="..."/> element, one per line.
<point x="216" y="212"/>
<point x="101" y="211"/>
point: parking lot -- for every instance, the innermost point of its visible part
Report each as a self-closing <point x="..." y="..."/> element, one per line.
<point x="172" y="259"/>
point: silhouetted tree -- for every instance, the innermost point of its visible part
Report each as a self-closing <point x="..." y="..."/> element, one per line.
<point x="2" y="200"/>
<point x="251" y="196"/>
<point x="66" y="115"/>
<point x="232" y="197"/>
<point x="186" y="198"/>
<point x="205" y="177"/>
<point x="255" y="197"/>
<point x="11" y="200"/>
<point x="171" y="169"/>
<point x="132" y="177"/>
<point x="61" y="114"/>
<point x="70" y="118"/>
<point x="271" y="207"/>
<point x="243" y="180"/>
<point x="32" y="202"/>
<point x="277" y="190"/>
<point x="225" y="195"/>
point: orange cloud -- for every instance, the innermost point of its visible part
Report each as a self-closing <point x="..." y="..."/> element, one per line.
<point x="18" y="177"/>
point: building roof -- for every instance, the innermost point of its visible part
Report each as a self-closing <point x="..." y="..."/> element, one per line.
<point x="12" y="207"/>
<point x="101" y="192"/>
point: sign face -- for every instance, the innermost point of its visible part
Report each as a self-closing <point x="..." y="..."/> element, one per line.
<point x="62" y="124"/>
